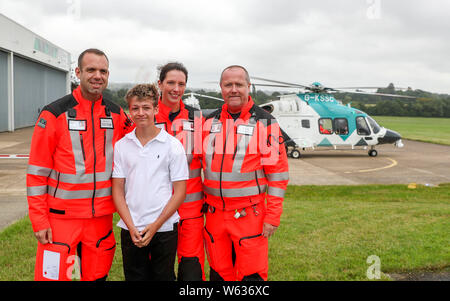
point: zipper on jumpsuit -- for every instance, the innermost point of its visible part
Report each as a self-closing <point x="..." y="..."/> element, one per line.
<point x="95" y="157"/>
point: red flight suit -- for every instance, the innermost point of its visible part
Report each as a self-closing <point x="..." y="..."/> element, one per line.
<point x="69" y="184"/>
<point x="186" y="126"/>
<point x="245" y="166"/>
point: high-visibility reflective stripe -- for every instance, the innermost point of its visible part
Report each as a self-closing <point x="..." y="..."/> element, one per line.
<point x="66" y="177"/>
<point x="109" y="155"/>
<point x="241" y="147"/>
<point x="76" y="148"/>
<point x="194" y="173"/>
<point x="280" y="176"/>
<point x="80" y="178"/>
<point x="189" y="146"/>
<point x="274" y="191"/>
<point x="78" y="194"/>
<point x="235" y="192"/>
<point x="36" y="190"/>
<point x="210" y="150"/>
<point x="192" y="197"/>
<point x="234" y="176"/>
<point x="38" y="170"/>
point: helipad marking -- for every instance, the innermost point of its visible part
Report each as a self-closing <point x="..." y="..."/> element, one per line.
<point x="394" y="163"/>
<point x="15" y="156"/>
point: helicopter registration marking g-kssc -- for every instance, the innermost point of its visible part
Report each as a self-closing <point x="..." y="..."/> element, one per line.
<point x="313" y="120"/>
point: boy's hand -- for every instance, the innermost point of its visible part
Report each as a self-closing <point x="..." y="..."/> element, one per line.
<point x="135" y="236"/>
<point x="147" y="234"/>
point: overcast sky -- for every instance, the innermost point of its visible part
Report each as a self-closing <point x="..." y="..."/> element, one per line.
<point x="338" y="43"/>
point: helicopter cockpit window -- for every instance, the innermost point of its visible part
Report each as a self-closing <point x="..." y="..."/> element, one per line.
<point x="361" y="126"/>
<point x="341" y="126"/>
<point x="325" y="126"/>
<point x="374" y="125"/>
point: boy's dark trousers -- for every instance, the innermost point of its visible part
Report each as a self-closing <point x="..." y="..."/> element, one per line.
<point x="155" y="262"/>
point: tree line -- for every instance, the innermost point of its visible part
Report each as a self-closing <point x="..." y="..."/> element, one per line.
<point x="425" y="104"/>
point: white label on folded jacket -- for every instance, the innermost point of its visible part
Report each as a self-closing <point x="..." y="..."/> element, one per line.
<point x="106" y="123"/>
<point x="50" y="265"/>
<point x="245" y="129"/>
<point x="77" y="125"/>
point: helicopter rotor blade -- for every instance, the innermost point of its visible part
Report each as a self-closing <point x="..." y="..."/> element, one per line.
<point x="202" y="95"/>
<point x="270" y="85"/>
<point x="360" y="87"/>
<point x="375" y="94"/>
<point x="343" y="88"/>
<point x="280" y="82"/>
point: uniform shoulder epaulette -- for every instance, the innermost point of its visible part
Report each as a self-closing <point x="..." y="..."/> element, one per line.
<point x="61" y="105"/>
<point x="112" y="106"/>
<point x="262" y="114"/>
<point x="216" y="113"/>
<point x="191" y="111"/>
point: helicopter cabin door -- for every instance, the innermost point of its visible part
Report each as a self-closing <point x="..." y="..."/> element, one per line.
<point x="298" y="129"/>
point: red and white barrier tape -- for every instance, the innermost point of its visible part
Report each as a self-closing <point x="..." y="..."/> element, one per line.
<point x="16" y="156"/>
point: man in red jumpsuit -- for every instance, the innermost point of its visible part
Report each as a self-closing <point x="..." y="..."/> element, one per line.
<point x="68" y="176"/>
<point x="245" y="178"/>
<point x="184" y="122"/>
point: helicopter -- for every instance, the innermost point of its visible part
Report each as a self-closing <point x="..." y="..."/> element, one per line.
<point x="314" y="118"/>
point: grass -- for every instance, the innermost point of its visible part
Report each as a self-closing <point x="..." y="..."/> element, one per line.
<point x="329" y="233"/>
<point x="326" y="233"/>
<point x="434" y="130"/>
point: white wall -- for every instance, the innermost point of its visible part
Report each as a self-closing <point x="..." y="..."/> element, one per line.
<point x="16" y="38"/>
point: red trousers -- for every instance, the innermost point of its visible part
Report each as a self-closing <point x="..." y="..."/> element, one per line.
<point x="190" y="252"/>
<point x="94" y="239"/>
<point x="227" y="236"/>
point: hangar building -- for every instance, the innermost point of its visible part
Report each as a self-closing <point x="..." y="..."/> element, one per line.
<point x="33" y="73"/>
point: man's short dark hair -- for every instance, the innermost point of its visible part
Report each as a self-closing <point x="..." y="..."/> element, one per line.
<point x="90" y="50"/>
<point x="247" y="76"/>
<point x="163" y="70"/>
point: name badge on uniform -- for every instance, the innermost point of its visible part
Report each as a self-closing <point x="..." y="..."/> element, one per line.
<point x="188" y="126"/>
<point x="216" y="127"/>
<point x="106" y="123"/>
<point x="161" y="125"/>
<point x="245" y="129"/>
<point x="77" y="125"/>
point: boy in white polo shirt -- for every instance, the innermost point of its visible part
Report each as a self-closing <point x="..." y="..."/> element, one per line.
<point x="148" y="186"/>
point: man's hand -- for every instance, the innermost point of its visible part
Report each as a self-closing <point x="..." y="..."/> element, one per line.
<point x="44" y="236"/>
<point x="268" y="230"/>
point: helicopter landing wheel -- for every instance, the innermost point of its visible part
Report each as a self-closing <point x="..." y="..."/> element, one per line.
<point x="373" y="153"/>
<point x="295" y="154"/>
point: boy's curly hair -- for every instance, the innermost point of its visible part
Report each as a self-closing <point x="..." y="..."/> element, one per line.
<point x="144" y="91"/>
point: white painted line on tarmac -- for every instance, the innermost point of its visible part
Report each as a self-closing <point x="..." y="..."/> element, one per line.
<point x="393" y="163"/>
